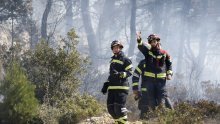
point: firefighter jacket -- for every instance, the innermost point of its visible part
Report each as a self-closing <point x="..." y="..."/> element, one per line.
<point x="119" y="65"/>
<point x="158" y="61"/>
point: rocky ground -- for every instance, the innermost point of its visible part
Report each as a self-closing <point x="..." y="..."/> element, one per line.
<point x="104" y="119"/>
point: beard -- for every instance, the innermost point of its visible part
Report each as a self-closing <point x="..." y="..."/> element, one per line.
<point x="156" y="47"/>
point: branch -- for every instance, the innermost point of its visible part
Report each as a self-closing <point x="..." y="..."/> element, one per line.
<point x="55" y="26"/>
<point x="189" y="51"/>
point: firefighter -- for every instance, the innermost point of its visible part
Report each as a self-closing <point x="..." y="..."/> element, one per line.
<point x="140" y="92"/>
<point x="117" y="85"/>
<point x="139" y="58"/>
<point x="158" y="69"/>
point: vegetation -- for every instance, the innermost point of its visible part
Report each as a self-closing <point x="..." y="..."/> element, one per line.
<point x="53" y="74"/>
<point x="46" y="75"/>
<point x="19" y="103"/>
<point x="15" y="9"/>
<point x="186" y="113"/>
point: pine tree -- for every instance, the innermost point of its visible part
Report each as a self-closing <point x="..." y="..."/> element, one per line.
<point x="19" y="104"/>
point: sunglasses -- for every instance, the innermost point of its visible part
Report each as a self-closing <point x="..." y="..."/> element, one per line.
<point x="154" y="39"/>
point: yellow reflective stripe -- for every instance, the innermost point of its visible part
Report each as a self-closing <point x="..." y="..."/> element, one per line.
<point x="118" y="87"/>
<point x="165" y="55"/>
<point x="148" y="46"/>
<point x="128" y="67"/>
<point x="149" y="74"/>
<point x="161" y="75"/>
<point x="122" y="119"/>
<point x="159" y="57"/>
<point x="125" y="74"/>
<point x="150" y="53"/>
<point x="140" y="43"/>
<point x="117" y="61"/>
<point x="135" y="84"/>
<point x="139" y="70"/>
<point x="143" y="89"/>
<point x="144" y="65"/>
<point x="169" y="72"/>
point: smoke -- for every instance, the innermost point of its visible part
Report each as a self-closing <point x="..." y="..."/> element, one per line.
<point x="188" y="29"/>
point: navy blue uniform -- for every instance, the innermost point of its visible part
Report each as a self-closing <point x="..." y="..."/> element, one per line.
<point x="144" y="99"/>
<point x="118" y="87"/>
<point x="158" y="66"/>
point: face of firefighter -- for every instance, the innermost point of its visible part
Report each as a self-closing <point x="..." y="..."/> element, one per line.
<point x="116" y="49"/>
<point x="154" y="43"/>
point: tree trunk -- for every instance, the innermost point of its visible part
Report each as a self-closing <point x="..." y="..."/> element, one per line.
<point x="182" y="34"/>
<point x="44" y="19"/>
<point x="91" y="38"/>
<point x="132" y="28"/>
<point x="104" y="21"/>
<point x="157" y="16"/>
<point x="69" y="15"/>
<point x="203" y="44"/>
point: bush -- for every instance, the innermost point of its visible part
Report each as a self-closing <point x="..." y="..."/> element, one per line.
<point x="208" y="109"/>
<point x="19" y="103"/>
<point x="186" y="113"/>
<point x="57" y="74"/>
<point x="79" y="108"/>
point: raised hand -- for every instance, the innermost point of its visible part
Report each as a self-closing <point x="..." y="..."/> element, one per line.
<point x="138" y="36"/>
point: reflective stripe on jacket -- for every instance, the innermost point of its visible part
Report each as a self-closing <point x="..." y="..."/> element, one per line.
<point x="119" y="64"/>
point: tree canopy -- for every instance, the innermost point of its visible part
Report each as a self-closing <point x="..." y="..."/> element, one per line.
<point x="14" y="8"/>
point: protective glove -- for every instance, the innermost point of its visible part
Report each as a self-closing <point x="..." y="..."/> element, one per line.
<point x="122" y="74"/>
<point x="137" y="95"/>
<point x="105" y="88"/>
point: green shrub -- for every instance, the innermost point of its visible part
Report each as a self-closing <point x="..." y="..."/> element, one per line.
<point x="186" y="113"/>
<point x="79" y="108"/>
<point x="19" y="104"/>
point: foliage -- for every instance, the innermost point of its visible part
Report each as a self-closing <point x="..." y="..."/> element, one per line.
<point x="14" y="8"/>
<point x="57" y="75"/>
<point x="79" y="108"/>
<point x="70" y="110"/>
<point x="55" y="72"/>
<point x="185" y="113"/>
<point x="208" y="109"/>
<point x="49" y="114"/>
<point x="19" y="104"/>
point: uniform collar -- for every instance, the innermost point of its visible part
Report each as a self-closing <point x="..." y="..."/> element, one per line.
<point x="120" y="54"/>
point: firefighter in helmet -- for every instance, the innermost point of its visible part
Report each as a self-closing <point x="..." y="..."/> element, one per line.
<point x="156" y="70"/>
<point x="117" y="85"/>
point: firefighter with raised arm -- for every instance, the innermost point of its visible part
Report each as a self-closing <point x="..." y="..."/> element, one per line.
<point x="141" y="93"/>
<point x="117" y="85"/>
<point x="158" y="69"/>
